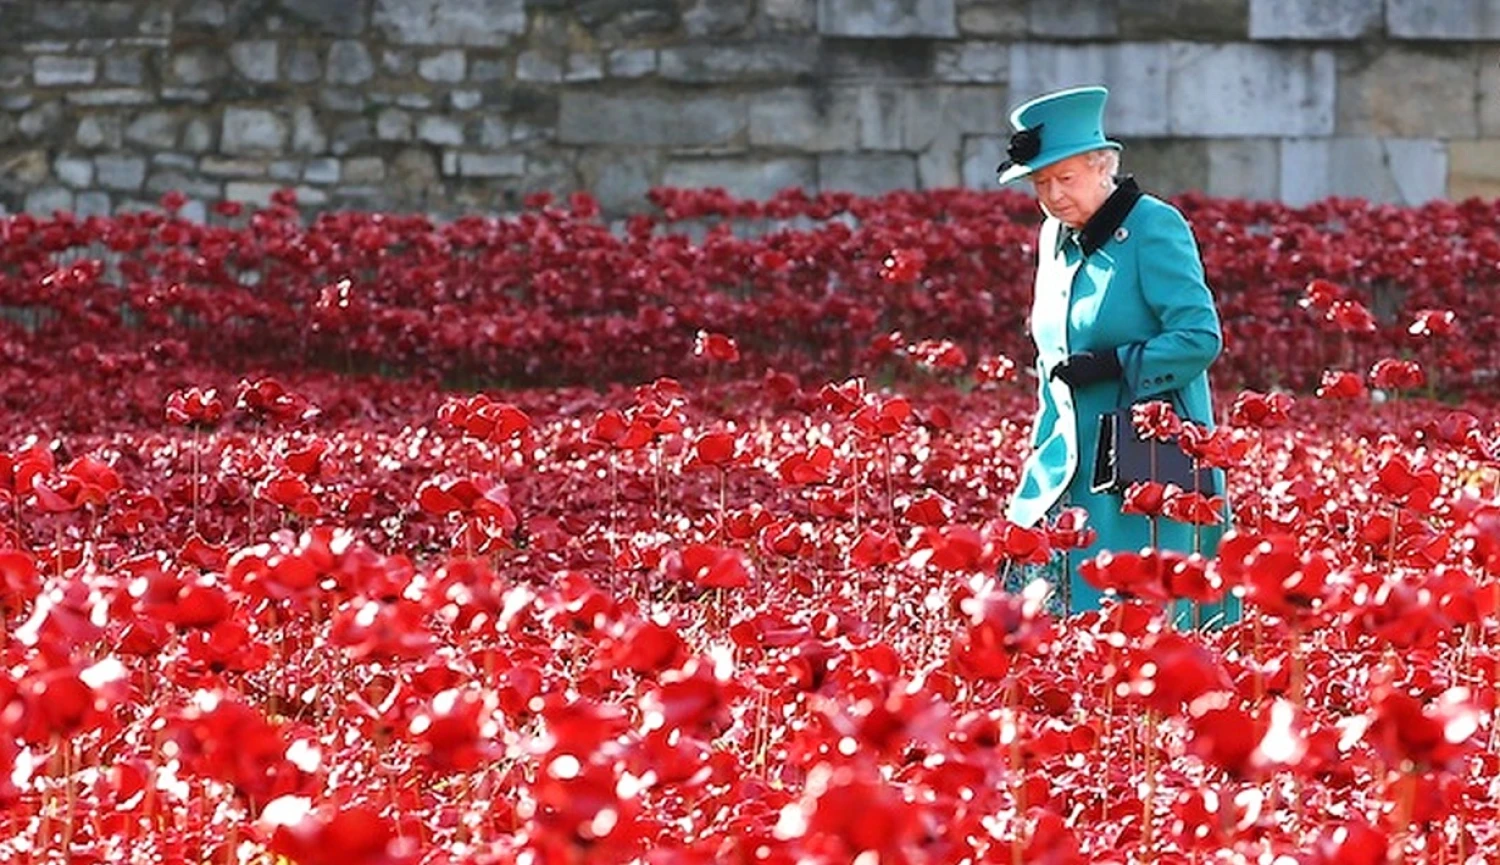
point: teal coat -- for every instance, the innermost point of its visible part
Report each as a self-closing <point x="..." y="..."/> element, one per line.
<point x="1141" y="294"/>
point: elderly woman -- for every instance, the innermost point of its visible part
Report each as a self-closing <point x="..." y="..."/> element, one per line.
<point x="1121" y="314"/>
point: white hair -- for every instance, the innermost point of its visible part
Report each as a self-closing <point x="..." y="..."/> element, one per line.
<point x="1107" y="157"/>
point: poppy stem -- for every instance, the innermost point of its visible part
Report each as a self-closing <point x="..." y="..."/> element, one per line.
<point x="1018" y="794"/>
<point x="195" y="479"/>
<point x="855" y="490"/>
<point x="1148" y="799"/>
<point x="890" y="485"/>
<point x="71" y="798"/>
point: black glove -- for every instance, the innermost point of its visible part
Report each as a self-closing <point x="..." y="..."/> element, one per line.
<point x="1088" y="367"/>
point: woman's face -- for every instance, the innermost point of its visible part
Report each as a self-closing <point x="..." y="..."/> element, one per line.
<point x="1072" y="190"/>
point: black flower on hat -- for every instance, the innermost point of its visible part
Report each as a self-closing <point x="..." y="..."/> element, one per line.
<point x="1024" y="146"/>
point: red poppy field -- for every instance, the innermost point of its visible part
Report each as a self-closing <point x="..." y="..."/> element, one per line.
<point x="369" y="539"/>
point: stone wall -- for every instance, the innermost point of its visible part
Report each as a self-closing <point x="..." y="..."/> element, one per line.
<point x="467" y="105"/>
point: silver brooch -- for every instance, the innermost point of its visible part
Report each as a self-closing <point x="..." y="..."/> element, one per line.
<point x="1121" y="233"/>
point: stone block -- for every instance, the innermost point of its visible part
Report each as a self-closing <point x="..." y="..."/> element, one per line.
<point x="938" y="117"/>
<point x="484" y="69"/>
<point x="350" y="135"/>
<point x="973" y="62"/>
<point x="1489" y="92"/>
<point x="716" y="18"/>
<point x="650" y="118"/>
<point x="744" y="177"/>
<point x="100" y="132"/>
<point x="1167" y="166"/>
<point x="207" y="13"/>
<point x="881" y="113"/>
<point x="804" y="119"/>
<point x="1073" y="19"/>
<point x="1391" y="170"/>
<point x="96" y="17"/>
<point x="15" y="71"/>
<point x="43" y="120"/>
<point x="398" y="63"/>
<point x="393" y="124"/>
<point x="445" y="67"/>
<point x="620" y="179"/>
<point x="27" y="168"/>
<point x="308" y="196"/>
<point x="442" y="131"/>
<point x="478" y="23"/>
<point x="866" y="173"/>
<point x="303" y="65"/>
<point x="414" y="101"/>
<point x="725" y="62"/>
<point x="1474" y="169"/>
<point x="414" y="171"/>
<point x="218" y="166"/>
<point x="1194" y="20"/>
<point x="990" y="19"/>
<point x="1408" y="92"/>
<point x="349" y="63"/>
<point x="182" y="161"/>
<point x="494" y="133"/>
<point x="52" y="71"/>
<point x="252" y="130"/>
<point x="1461" y="20"/>
<point x="348" y="100"/>
<point x="256" y="60"/>
<point x="613" y="21"/>
<point x="336" y="18"/>
<point x="888" y="18"/>
<point x="153" y="129"/>
<point x="119" y="172"/>
<point x="539" y="66"/>
<point x="1251" y="90"/>
<point x="125" y="67"/>
<point x="632" y="62"/>
<point x="285" y="171"/>
<point x="867" y="61"/>
<point x="1324" y="20"/>
<point x="74" y="171"/>
<point x="49" y="200"/>
<point x="254" y="193"/>
<point x="92" y="204"/>
<point x="198" y="136"/>
<point x="307" y="133"/>
<point x="979" y="158"/>
<point x="583" y="66"/>
<point x="115" y="96"/>
<point x="191" y="185"/>
<point x="363" y="169"/>
<point x="1247" y="168"/>
<point x="322" y="171"/>
<point x="195" y="67"/>
<point x="491" y="164"/>
<point x="788" y="16"/>
<point x="939" y="168"/>
<point x="466" y="100"/>
<point x="1136" y="74"/>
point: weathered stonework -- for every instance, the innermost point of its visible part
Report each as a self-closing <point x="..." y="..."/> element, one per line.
<point x="448" y="105"/>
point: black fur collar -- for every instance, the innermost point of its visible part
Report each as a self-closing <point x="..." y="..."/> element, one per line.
<point x="1102" y="225"/>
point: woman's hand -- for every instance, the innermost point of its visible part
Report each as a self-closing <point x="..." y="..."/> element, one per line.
<point x="1088" y="367"/>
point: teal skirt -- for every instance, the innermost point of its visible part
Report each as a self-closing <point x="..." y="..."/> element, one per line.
<point x="1072" y="594"/>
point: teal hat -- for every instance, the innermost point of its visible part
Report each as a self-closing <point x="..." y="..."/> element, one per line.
<point x="1053" y="127"/>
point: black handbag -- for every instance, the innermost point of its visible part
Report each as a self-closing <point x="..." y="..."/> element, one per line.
<point x="1122" y="457"/>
